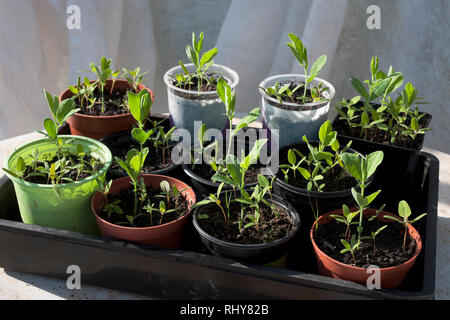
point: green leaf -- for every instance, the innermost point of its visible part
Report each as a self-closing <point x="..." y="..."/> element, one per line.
<point x="414" y="124"/>
<point x="221" y="178"/>
<point x="50" y="128"/>
<point x="305" y="173"/>
<point x="134" y="105"/>
<point x="208" y="56"/>
<point x="262" y="180"/>
<point x="317" y="67"/>
<point x="139" y="135"/>
<point x="372" y="197"/>
<point x="352" y="163"/>
<point x="346" y="244"/>
<point x="248" y="119"/>
<point x="50" y="102"/>
<point x="379" y="89"/>
<point x="359" y="198"/>
<point x="324" y="131"/>
<point x="373" y="161"/>
<point x="359" y="87"/>
<point x="404" y="210"/>
<point x="192" y="56"/>
<point x="292" y="158"/>
<point x="419" y="217"/>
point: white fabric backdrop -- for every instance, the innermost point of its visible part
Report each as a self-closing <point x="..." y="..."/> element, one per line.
<point x="37" y="50"/>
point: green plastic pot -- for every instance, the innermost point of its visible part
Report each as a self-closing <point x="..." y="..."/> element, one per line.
<point x="40" y="205"/>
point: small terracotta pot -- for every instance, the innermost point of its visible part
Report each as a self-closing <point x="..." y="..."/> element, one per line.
<point x="97" y="127"/>
<point x="168" y="235"/>
<point x="390" y="278"/>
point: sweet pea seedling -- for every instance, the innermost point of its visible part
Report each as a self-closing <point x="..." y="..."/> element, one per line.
<point x="200" y="62"/>
<point x="103" y="72"/>
<point x="404" y="211"/>
<point x="362" y="169"/>
<point x="301" y="54"/>
<point x="134" y="77"/>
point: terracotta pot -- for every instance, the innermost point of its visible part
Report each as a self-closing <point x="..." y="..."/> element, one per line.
<point x="97" y="127"/>
<point x="168" y="235"/>
<point x="390" y="277"/>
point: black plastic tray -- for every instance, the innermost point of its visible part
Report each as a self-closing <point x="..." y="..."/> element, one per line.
<point x="192" y="273"/>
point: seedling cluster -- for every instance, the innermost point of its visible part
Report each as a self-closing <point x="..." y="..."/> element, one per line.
<point x="232" y="171"/>
<point x="362" y="168"/>
<point x="201" y="62"/>
<point x="285" y="92"/>
<point x="85" y="92"/>
<point x="66" y="166"/>
<point x="396" y="118"/>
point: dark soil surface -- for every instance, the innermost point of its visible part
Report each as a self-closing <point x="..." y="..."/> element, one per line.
<point x="271" y="227"/>
<point x="115" y="103"/>
<point x="336" y="179"/>
<point x="380" y="136"/>
<point x="389" y="244"/>
<point x="205" y="86"/>
<point x="206" y="172"/>
<point x="126" y="198"/>
<point x="71" y="175"/>
<point x="297" y="94"/>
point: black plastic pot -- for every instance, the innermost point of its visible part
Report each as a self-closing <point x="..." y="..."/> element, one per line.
<point x="264" y="253"/>
<point x="155" y="272"/>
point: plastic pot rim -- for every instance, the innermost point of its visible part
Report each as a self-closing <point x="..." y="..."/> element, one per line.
<point x="98" y="193"/>
<point x="410" y="230"/>
<point x="309" y="105"/>
<point x="167" y="77"/>
<point x="102" y="171"/>
<point x="279" y="201"/>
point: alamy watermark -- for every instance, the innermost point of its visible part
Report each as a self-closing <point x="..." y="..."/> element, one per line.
<point x="374" y="20"/>
<point x="73" y="21"/>
<point x="74" y="279"/>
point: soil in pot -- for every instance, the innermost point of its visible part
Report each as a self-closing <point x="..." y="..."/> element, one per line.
<point x="380" y="136"/>
<point x="68" y="176"/>
<point x="297" y="96"/>
<point x="271" y="226"/>
<point x="115" y="103"/>
<point x="207" y="84"/>
<point x="125" y="200"/>
<point x="389" y="244"/>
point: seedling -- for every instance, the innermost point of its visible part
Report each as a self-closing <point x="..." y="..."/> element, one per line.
<point x="58" y="171"/>
<point x="134" y="77"/>
<point x="347" y="219"/>
<point x="373" y="236"/>
<point x="404" y="211"/>
<point x="103" y="72"/>
<point x="318" y="164"/>
<point x="394" y="116"/>
<point x="362" y="169"/>
<point x="351" y="247"/>
<point x="200" y="62"/>
<point x="113" y="207"/>
<point x="301" y="54"/>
